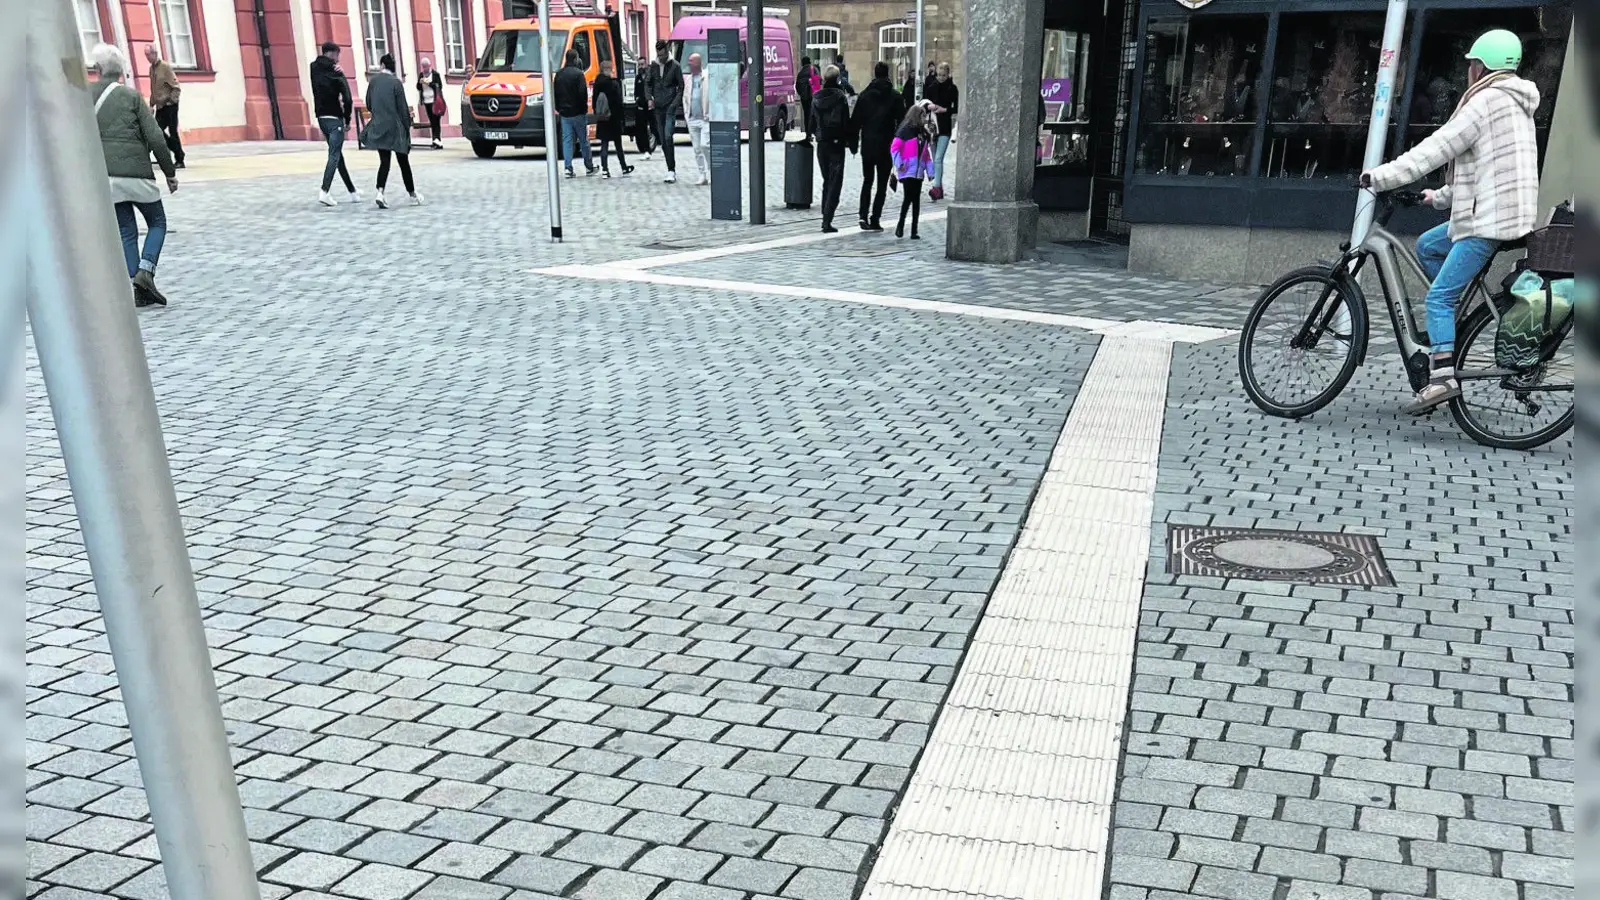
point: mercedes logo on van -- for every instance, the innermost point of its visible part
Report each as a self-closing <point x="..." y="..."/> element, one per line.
<point x="494" y="104"/>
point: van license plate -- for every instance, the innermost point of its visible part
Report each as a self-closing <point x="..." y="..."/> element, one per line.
<point x="497" y="135"/>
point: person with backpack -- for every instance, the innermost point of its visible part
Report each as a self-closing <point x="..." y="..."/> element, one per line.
<point x="805" y="90"/>
<point x="608" y="116"/>
<point x="913" y="162"/>
<point x="877" y="113"/>
<point x="831" y="124"/>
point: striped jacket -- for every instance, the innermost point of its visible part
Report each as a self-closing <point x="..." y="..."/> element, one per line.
<point x="1493" y="183"/>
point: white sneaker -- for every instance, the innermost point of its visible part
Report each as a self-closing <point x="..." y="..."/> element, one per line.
<point x="355" y="196"/>
<point x="382" y="203"/>
<point x="702" y="181"/>
<point x="416" y="199"/>
<point x="672" y="178"/>
<point x="326" y="199"/>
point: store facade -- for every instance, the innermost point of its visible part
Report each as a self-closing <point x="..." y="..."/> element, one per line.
<point x="1248" y="119"/>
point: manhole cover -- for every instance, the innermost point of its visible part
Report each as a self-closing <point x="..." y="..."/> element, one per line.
<point x="1309" y="557"/>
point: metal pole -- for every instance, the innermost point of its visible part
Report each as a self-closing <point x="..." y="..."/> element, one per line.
<point x="87" y="337"/>
<point x="755" y="43"/>
<point x="805" y="30"/>
<point x="552" y="140"/>
<point x="916" y="75"/>
<point x="1394" y="28"/>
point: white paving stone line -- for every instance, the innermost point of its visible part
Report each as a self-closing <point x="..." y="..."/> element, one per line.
<point x="1012" y="797"/>
<point x="1142" y="329"/>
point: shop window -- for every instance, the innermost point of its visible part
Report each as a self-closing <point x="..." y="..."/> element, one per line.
<point x="1320" y="103"/>
<point x="822" y="43"/>
<point x="1442" y="65"/>
<point x="374" y="30"/>
<point x="1063" y="87"/>
<point x="1198" y="111"/>
<point x="87" y="13"/>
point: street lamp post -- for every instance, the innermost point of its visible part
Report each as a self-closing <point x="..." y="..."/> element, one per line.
<point x="552" y="141"/>
<point x="1394" y="28"/>
<point x="80" y="308"/>
<point x="755" y="43"/>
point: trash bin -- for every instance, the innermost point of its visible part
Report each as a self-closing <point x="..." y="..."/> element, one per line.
<point x="799" y="161"/>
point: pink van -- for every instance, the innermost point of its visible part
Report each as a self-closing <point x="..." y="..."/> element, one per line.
<point x="782" y="106"/>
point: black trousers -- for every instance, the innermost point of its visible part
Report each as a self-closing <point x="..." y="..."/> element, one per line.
<point x="405" y="170"/>
<point x="167" y="119"/>
<point x="830" y="157"/>
<point x="644" y="127"/>
<point x="911" y="189"/>
<point x="607" y="141"/>
<point x="433" y="122"/>
<point x="875" y="169"/>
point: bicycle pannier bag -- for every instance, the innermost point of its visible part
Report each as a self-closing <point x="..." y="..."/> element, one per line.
<point x="1540" y="307"/>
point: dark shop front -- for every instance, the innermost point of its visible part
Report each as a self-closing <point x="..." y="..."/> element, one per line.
<point x="1249" y="118"/>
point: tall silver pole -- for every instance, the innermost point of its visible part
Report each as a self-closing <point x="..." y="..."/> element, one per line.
<point x="1394" y="28"/>
<point x="552" y="140"/>
<point x="805" y="34"/>
<point x="755" y="42"/>
<point x="916" y="74"/>
<point x="90" y="350"/>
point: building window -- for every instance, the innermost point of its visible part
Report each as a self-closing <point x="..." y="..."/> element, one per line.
<point x="1198" y="110"/>
<point x="374" y="30"/>
<point x="822" y="43"/>
<point x="177" y="33"/>
<point x="1320" y="101"/>
<point x="88" y="15"/>
<point x="897" y="46"/>
<point x="455" y="36"/>
<point x="1442" y="66"/>
<point x="636" y="29"/>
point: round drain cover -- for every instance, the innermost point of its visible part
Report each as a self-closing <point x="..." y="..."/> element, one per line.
<point x="1272" y="554"/>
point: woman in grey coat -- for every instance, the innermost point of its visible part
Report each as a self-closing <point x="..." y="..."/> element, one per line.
<point x="389" y="128"/>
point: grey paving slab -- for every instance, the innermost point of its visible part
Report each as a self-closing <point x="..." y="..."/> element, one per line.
<point x="1326" y="742"/>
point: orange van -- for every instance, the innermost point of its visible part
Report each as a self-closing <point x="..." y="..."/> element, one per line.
<point x="502" y="104"/>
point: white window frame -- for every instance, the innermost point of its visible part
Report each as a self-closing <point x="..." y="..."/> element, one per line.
<point x="177" y="34"/>
<point x="907" y="42"/>
<point x="452" y="18"/>
<point x="89" y="33"/>
<point x="817" y="38"/>
<point x="375" y="30"/>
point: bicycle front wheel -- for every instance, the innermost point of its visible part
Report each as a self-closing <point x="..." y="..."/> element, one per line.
<point x="1513" y="412"/>
<point x="1288" y="369"/>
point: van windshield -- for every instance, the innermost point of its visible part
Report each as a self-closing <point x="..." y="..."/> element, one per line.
<point x="517" y="50"/>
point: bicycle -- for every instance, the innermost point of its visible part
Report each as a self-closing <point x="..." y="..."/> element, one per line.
<point x="1326" y="327"/>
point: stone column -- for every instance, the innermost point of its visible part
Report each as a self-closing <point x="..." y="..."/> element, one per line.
<point x="994" y="218"/>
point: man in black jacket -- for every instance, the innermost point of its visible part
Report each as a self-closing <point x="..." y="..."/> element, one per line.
<point x="644" y="124"/>
<point x="330" y="98"/>
<point x="666" y="100"/>
<point x="802" y="89"/>
<point x="830" y="113"/>
<point x="872" y="126"/>
<point x="572" y="105"/>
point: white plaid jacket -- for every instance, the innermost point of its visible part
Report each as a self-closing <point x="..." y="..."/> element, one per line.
<point x="1493" y="189"/>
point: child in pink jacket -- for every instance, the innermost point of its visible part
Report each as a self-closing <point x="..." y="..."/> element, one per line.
<point x="912" y="153"/>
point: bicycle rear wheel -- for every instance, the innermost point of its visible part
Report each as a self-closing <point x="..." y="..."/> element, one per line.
<point x="1512" y="412"/>
<point x="1281" y="373"/>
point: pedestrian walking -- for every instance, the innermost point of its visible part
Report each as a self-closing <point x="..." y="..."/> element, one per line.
<point x="572" y="105"/>
<point x="164" y="91"/>
<point x="608" y="117"/>
<point x="831" y="125"/>
<point x="389" y="128"/>
<point x="430" y="98"/>
<point x="330" y="99"/>
<point x="129" y="135"/>
<point x="913" y="162"/>
<point x="844" y="75"/>
<point x="644" y="124"/>
<point x="697" y="112"/>
<point x="878" y="112"/>
<point x="908" y="90"/>
<point x="666" y="100"/>
<point x="946" y="100"/>
<point x="805" y="90"/>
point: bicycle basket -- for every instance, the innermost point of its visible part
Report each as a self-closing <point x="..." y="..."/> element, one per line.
<point x="1550" y="249"/>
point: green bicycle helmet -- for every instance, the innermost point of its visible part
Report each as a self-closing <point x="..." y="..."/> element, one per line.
<point x="1498" y="50"/>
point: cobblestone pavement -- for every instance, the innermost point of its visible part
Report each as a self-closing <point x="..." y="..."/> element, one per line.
<point x="1325" y="743"/>
<point x="526" y="587"/>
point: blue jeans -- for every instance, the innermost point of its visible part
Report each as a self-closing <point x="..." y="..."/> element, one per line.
<point x="575" y="130"/>
<point x="1451" y="266"/>
<point x="155" y="221"/>
<point x="333" y="130"/>
<point x="940" y="147"/>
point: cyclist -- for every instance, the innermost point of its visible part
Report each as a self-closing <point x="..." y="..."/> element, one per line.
<point x="1491" y="189"/>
